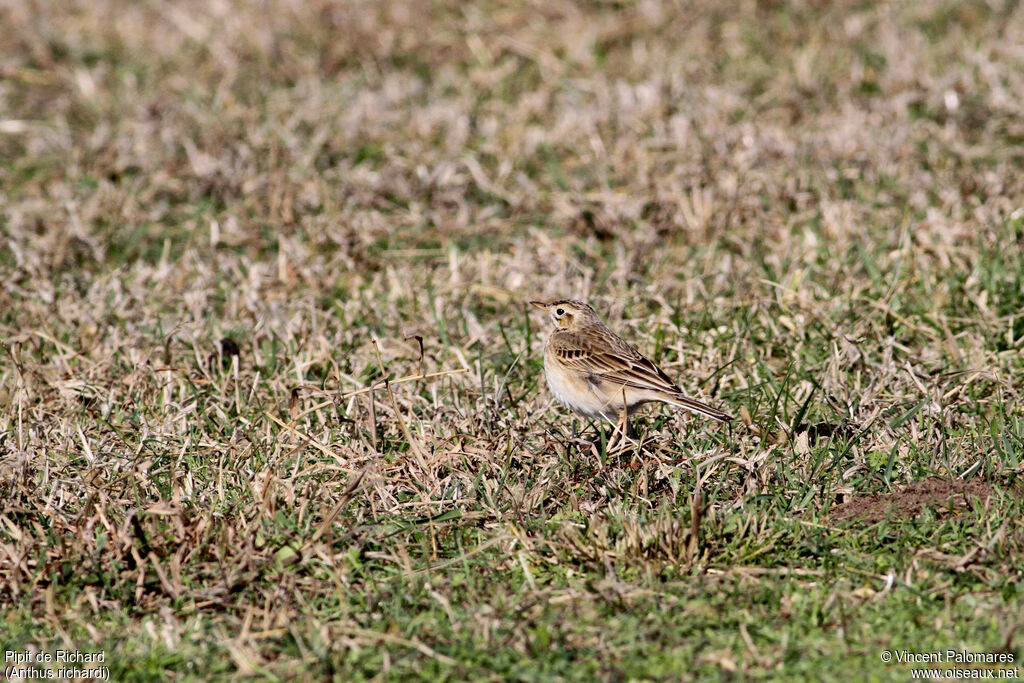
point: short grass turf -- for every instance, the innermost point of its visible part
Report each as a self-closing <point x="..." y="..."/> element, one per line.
<point x="221" y="222"/>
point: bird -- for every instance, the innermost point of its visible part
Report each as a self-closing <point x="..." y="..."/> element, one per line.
<point x="596" y="373"/>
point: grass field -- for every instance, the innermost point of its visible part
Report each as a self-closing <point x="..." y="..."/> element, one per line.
<point x="223" y="220"/>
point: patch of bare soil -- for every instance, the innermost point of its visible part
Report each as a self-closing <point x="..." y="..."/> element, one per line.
<point x="946" y="497"/>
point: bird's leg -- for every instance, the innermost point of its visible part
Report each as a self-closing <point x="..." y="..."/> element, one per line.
<point x="627" y="425"/>
<point x="631" y="437"/>
<point x="613" y="438"/>
<point x="630" y="432"/>
<point x="623" y="430"/>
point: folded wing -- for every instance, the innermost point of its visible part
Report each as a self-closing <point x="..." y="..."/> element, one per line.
<point x="614" y="360"/>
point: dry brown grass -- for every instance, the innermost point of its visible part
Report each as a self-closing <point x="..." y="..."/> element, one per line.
<point x="809" y="212"/>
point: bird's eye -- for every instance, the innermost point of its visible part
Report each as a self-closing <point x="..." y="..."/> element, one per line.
<point x="560" y="312"/>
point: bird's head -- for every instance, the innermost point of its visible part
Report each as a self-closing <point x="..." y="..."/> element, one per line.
<point x="568" y="314"/>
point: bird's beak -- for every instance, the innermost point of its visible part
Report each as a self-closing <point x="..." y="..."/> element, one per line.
<point x="540" y="304"/>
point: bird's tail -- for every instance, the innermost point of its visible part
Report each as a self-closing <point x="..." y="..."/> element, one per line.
<point x="698" y="407"/>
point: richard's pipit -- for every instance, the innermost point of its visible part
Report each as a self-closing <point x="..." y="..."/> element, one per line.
<point x="596" y="373"/>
